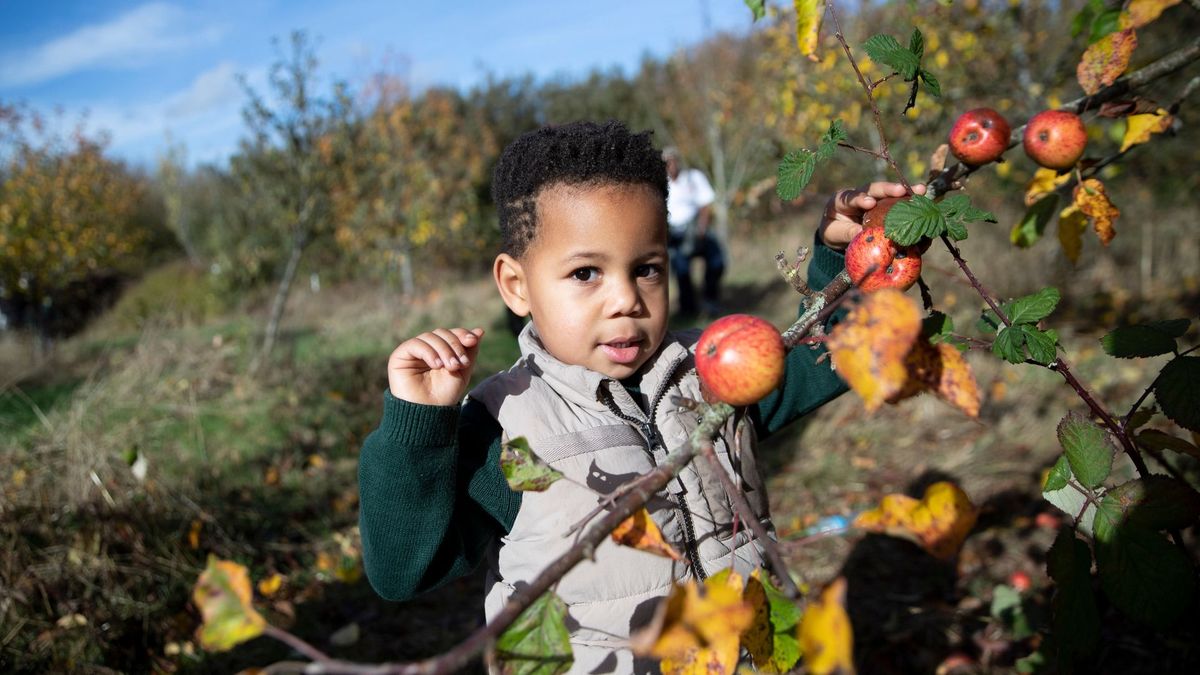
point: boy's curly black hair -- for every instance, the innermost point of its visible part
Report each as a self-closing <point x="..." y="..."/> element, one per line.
<point x="579" y="153"/>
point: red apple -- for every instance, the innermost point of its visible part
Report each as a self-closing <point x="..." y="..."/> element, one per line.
<point x="979" y="136"/>
<point x="740" y="359"/>
<point x="876" y="216"/>
<point x="1055" y="139"/>
<point x="876" y="262"/>
<point x="1020" y="580"/>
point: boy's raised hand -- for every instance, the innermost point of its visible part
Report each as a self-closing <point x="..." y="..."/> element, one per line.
<point x="843" y="215"/>
<point x="434" y="368"/>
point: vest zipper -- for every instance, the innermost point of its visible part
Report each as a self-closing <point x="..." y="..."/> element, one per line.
<point x="653" y="440"/>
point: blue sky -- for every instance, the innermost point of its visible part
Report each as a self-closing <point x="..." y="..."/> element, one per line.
<point x="143" y="70"/>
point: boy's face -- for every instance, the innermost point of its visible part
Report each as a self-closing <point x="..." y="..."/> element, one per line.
<point x="595" y="276"/>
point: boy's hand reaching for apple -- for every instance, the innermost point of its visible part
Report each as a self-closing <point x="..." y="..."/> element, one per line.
<point x="434" y="368"/>
<point x="843" y="215"/>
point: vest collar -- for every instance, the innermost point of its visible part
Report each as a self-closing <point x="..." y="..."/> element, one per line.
<point x="583" y="386"/>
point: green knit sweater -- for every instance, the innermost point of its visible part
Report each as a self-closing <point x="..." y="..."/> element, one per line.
<point x="432" y="497"/>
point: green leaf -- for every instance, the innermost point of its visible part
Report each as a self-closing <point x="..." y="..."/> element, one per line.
<point x="937" y="324"/>
<point x="1173" y="327"/>
<point x="1058" y="476"/>
<point x="931" y="82"/>
<point x="1145" y="576"/>
<point x="836" y="134"/>
<point x="916" y="44"/>
<point x="1152" y="503"/>
<point x="1076" y="619"/>
<point x="1033" y="224"/>
<point x="1141" y="417"/>
<point x="1178" y="393"/>
<point x="538" y="642"/>
<point x="1033" y="308"/>
<point x="1008" y="344"/>
<point x="1153" y="439"/>
<point x="1142" y="340"/>
<point x="988" y="322"/>
<point x="886" y="50"/>
<point x="758" y="8"/>
<point x="1042" y="345"/>
<point x="1088" y="447"/>
<point x="1009" y="607"/>
<point x="795" y="171"/>
<point x="1109" y="21"/>
<point x="1073" y="503"/>
<point x="774" y="644"/>
<point x="917" y="217"/>
<point x="523" y="470"/>
<point x="958" y="212"/>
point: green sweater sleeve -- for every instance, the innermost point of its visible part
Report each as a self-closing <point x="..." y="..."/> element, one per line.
<point x="431" y="495"/>
<point x="807" y="385"/>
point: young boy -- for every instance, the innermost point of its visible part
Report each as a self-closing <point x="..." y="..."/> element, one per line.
<point x="582" y="209"/>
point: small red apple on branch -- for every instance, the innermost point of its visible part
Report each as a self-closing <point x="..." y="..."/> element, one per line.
<point x="874" y="261"/>
<point x="979" y="136"/>
<point x="740" y="359"/>
<point x="1055" y="139"/>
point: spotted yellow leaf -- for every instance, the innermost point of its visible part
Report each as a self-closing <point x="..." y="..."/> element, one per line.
<point x="808" y="26"/>
<point x="869" y="347"/>
<point x="942" y="370"/>
<point x="222" y="594"/>
<point x="1105" y="60"/>
<point x="939" y="522"/>
<point x="826" y="636"/>
<point x="1141" y="12"/>
<point x="641" y="532"/>
<point x="1092" y="199"/>
<point x="1139" y="128"/>
<point x="697" y="629"/>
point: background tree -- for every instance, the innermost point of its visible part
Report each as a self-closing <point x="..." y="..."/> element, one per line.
<point x="282" y="164"/>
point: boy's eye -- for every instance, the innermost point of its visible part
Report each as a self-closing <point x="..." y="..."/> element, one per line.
<point x="650" y="270"/>
<point x="585" y="274"/>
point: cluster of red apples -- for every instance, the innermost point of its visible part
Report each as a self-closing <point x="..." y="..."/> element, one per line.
<point x="1055" y="139"/>
<point x="740" y="358"/>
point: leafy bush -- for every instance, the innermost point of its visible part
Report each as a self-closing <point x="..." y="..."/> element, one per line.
<point x="176" y="294"/>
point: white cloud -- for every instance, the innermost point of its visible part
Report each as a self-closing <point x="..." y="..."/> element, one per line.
<point x="215" y="87"/>
<point x="124" y="41"/>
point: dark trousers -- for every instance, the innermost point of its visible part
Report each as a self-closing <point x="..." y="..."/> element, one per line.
<point x="709" y="250"/>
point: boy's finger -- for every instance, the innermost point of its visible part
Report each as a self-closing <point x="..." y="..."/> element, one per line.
<point x="412" y="352"/>
<point x="450" y="348"/>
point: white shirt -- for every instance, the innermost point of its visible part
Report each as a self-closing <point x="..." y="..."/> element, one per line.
<point x="686" y="195"/>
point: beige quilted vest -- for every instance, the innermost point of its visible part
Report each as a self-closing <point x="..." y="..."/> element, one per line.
<point x="588" y="427"/>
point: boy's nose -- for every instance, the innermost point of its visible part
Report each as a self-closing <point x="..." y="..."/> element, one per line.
<point x="624" y="299"/>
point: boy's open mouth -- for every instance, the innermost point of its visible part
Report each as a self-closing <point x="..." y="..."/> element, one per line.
<point x="623" y="350"/>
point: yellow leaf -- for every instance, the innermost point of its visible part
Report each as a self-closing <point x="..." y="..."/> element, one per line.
<point x="942" y="370"/>
<point x="1043" y="182"/>
<point x="1139" y="128"/>
<point x="826" y="637"/>
<point x="697" y="629"/>
<point x="1071" y="223"/>
<point x="939" y="522"/>
<point x="1105" y="60"/>
<point x="1141" y="12"/>
<point x="270" y="585"/>
<point x="808" y="26"/>
<point x="869" y="347"/>
<point x="641" y="532"/>
<point x="222" y="594"/>
<point x="1092" y="200"/>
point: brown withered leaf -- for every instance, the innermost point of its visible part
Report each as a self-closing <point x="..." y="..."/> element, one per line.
<point x="1141" y="12"/>
<point x="939" y="522"/>
<point x="1092" y="199"/>
<point x="1125" y="107"/>
<point x="940" y="369"/>
<point x="641" y="532"/>
<point x="1105" y="60"/>
<point x="869" y="347"/>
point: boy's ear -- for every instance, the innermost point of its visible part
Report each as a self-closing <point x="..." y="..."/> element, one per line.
<point x="510" y="279"/>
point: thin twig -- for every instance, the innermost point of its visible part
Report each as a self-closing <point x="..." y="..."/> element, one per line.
<point x="746" y="513"/>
